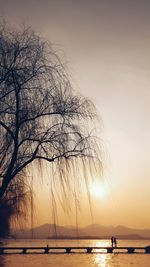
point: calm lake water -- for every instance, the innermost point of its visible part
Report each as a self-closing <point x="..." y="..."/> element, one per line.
<point x="75" y="260"/>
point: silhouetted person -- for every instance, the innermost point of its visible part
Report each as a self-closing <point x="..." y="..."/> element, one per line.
<point x="112" y="241"/>
<point x="115" y="241"/>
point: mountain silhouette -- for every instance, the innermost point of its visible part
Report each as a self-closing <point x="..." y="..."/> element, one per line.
<point x="90" y="231"/>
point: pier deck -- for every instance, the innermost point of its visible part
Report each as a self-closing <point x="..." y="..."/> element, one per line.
<point x="71" y="249"/>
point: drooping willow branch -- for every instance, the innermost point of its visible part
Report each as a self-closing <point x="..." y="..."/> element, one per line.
<point x="41" y="116"/>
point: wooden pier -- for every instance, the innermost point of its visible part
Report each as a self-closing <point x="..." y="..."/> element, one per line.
<point x="71" y="249"/>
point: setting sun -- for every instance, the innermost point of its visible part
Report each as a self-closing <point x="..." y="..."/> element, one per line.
<point x="98" y="189"/>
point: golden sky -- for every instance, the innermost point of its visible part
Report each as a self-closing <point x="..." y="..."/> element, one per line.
<point x="106" y="44"/>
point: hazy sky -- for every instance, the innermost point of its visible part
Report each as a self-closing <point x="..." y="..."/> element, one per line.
<point x="107" y="46"/>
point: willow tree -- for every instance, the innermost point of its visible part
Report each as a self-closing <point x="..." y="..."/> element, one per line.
<point x="15" y="205"/>
<point x="41" y="116"/>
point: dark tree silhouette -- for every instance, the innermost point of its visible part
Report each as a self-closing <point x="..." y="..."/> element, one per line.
<point x="15" y="205"/>
<point x="41" y="117"/>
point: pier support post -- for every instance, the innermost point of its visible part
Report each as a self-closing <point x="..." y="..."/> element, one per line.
<point x="109" y="250"/>
<point x="68" y="250"/>
<point x="46" y="250"/>
<point x="24" y="250"/>
<point x="147" y="249"/>
<point x="1" y="251"/>
<point x="131" y="250"/>
<point x="89" y="250"/>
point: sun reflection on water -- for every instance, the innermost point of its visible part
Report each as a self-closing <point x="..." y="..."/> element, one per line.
<point x="102" y="243"/>
<point x="102" y="260"/>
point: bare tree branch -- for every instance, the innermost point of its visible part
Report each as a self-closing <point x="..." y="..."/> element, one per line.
<point x="41" y="117"/>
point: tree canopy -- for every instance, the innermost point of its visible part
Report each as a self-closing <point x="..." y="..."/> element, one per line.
<point x="41" y="116"/>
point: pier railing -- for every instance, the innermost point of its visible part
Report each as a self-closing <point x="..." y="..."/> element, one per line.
<point x="71" y="249"/>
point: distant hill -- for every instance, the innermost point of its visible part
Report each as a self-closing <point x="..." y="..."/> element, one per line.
<point x="93" y="231"/>
<point x="49" y="231"/>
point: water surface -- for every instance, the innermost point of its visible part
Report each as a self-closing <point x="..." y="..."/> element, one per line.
<point x="74" y="259"/>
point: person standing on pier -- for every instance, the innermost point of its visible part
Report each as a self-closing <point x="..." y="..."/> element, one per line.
<point x="115" y="241"/>
<point x="112" y="241"/>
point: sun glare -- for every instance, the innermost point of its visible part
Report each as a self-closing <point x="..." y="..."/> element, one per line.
<point x="98" y="189"/>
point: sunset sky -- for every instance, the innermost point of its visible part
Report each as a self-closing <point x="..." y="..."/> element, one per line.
<point x="106" y="44"/>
